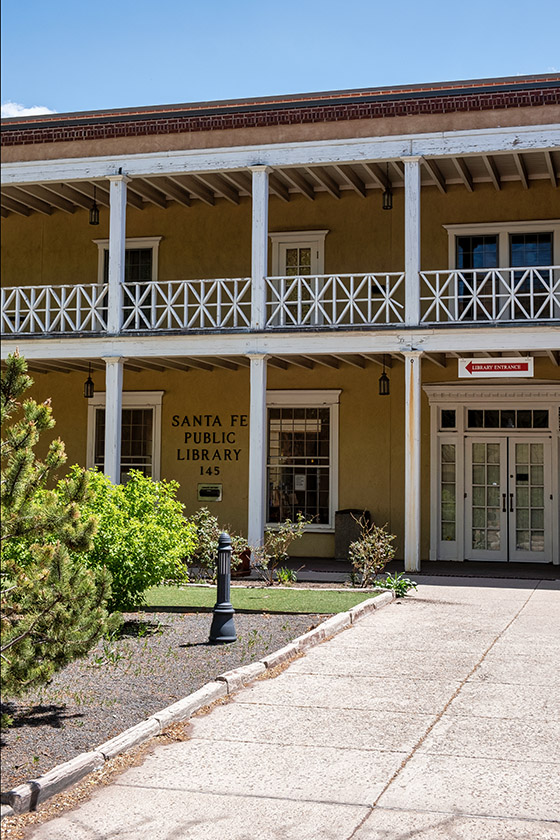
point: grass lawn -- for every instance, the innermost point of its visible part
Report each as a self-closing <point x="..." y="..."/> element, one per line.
<point x="261" y="599"/>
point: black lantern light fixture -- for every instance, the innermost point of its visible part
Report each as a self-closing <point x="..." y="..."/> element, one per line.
<point x="94" y="211"/>
<point x="384" y="384"/>
<point x="387" y="193"/>
<point x="88" y="386"/>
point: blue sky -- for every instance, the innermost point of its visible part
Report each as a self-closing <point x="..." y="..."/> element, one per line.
<point x="67" y="55"/>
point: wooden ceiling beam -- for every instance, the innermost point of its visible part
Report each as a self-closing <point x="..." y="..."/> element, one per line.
<point x="195" y="187"/>
<point x="521" y="170"/>
<point x="438" y="359"/>
<point x="274" y="361"/>
<point x="64" y="192"/>
<point x="29" y="200"/>
<point x="326" y="361"/>
<point x="379" y="359"/>
<point x="240" y="180"/>
<point x="172" y="364"/>
<point x="434" y="172"/>
<point x="169" y="187"/>
<point x="352" y="359"/>
<point x="325" y="178"/>
<point x="550" y="169"/>
<point x="301" y="183"/>
<point x="351" y="177"/>
<point x="50" y="197"/>
<point x="196" y="363"/>
<point x="147" y="191"/>
<point x="14" y="206"/>
<point x="300" y="361"/>
<point x="379" y="177"/>
<point x="101" y="194"/>
<point x="224" y="363"/>
<point x="149" y="365"/>
<point x="398" y="168"/>
<point x="492" y="170"/>
<point x="4" y="213"/>
<point x="554" y="356"/>
<point x="278" y="187"/>
<point x="219" y="184"/>
<point x="463" y="172"/>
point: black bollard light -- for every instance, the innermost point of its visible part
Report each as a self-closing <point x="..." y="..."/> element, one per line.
<point x="223" y="628"/>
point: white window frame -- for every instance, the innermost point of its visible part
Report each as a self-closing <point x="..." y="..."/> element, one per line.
<point x="130" y="244"/>
<point x="312" y="399"/>
<point x="502" y="230"/>
<point x="130" y="399"/>
<point x="297" y="239"/>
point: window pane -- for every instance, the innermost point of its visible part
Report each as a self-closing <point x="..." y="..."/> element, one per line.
<point x="299" y="464"/>
<point x="136" y="440"/>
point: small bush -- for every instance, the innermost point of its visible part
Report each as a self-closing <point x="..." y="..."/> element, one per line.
<point x="371" y="552"/>
<point x="142" y="536"/>
<point x="267" y="557"/>
<point x="204" y="557"/>
<point x="398" y="583"/>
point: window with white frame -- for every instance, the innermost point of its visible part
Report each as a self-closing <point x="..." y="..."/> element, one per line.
<point x="302" y="456"/>
<point x="298" y="253"/>
<point x="140" y="433"/>
<point x="141" y="259"/>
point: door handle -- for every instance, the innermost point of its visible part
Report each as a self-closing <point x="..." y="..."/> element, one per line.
<point x="511" y="502"/>
<point x="504" y="503"/>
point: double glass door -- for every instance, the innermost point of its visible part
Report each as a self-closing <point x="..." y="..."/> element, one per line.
<point x="507" y="498"/>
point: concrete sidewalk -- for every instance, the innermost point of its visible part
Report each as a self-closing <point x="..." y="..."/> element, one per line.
<point x="438" y="717"/>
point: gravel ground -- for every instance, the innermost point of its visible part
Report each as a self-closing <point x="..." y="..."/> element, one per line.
<point x="158" y="659"/>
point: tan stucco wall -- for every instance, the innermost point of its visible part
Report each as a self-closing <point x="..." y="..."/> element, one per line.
<point x="371" y="443"/>
<point x="340" y="129"/>
<point x="203" y="241"/>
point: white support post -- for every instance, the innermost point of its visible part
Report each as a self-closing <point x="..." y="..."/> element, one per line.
<point x="412" y="489"/>
<point x="257" y="450"/>
<point x="259" y="247"/>
<point x="412" y="240"/>
<point x="113" y="417"/>
<point x="117" y="249"/>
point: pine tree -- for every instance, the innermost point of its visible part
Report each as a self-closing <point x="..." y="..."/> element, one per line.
<point x="52" y="608"/>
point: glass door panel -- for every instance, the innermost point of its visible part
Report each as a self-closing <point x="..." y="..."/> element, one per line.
<point x="486" y="535"/>
<point x="529" y="505"/>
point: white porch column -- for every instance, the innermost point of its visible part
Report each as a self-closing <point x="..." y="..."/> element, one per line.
<point x="259" y="246"/>
<point x="113" y="417"/>
<point x="117" y="246"/>
<point x="412" y="491"/>
<point x="257" y="450"/>
<point x="412" y="239"/>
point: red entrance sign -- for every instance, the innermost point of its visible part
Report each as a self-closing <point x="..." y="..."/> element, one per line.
<point x="495" y="367"/>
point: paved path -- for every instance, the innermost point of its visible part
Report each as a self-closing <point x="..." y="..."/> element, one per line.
<point x="437" y="717"/>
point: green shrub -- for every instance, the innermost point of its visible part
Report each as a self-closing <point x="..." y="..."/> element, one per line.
<point x="142" y="536"/>
<point x="204" y="557"/>
<point x="398" y="583"/>
<point x="371" y="552"/>
<point x="266" y="558"/>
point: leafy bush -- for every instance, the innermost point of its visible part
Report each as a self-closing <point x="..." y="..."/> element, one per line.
<point x="266" y="558"/>
<point x="398" y="583"/>
<point x="286" y="577"/>
<point x="142" y="536"/>
<point x="371" y="552"/>
<point x="53" y="608"/>
<point x="204" y="557"/>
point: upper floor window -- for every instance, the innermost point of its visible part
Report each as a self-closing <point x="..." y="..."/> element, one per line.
<point x="298" y="253"/>
<point x="140" y="263"/>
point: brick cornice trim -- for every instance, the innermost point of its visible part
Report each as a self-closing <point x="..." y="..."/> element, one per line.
<point x="259" y="117"/>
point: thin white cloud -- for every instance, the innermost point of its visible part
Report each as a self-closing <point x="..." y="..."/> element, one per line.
<point x="14" y="109"/>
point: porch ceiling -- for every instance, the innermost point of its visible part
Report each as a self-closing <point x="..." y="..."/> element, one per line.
<point x="284" y="362"/>
<point x="232" y="186"/>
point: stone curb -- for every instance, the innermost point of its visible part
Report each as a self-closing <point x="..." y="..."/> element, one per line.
<point x="27" y="796"/>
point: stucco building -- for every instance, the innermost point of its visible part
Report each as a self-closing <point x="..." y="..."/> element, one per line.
<point x="318" y="302"/>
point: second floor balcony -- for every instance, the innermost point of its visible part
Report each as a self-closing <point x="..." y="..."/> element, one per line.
<point x="446" y="297"/>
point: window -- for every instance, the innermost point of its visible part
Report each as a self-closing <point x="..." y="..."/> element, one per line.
<point x="298" y="253"/>
<point x="302" y="456"/>
<point x="141" y="259"/>
<point x="140" y="434"/>
<point x="509" y="418"/>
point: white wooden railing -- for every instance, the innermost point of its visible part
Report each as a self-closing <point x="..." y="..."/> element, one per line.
<point x="335" y="300"/>
<point x="318" y="301"/>
<point x="187" y="305"/>
<point x="497" y="294"/>
<point x="54" y="309"/>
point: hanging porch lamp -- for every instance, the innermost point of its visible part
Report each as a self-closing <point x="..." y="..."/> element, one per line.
<point x="384" y="384"/>
<point x="388" y="194"/>
<point x="94" y="211"/>
<point x="89" y="386"/>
